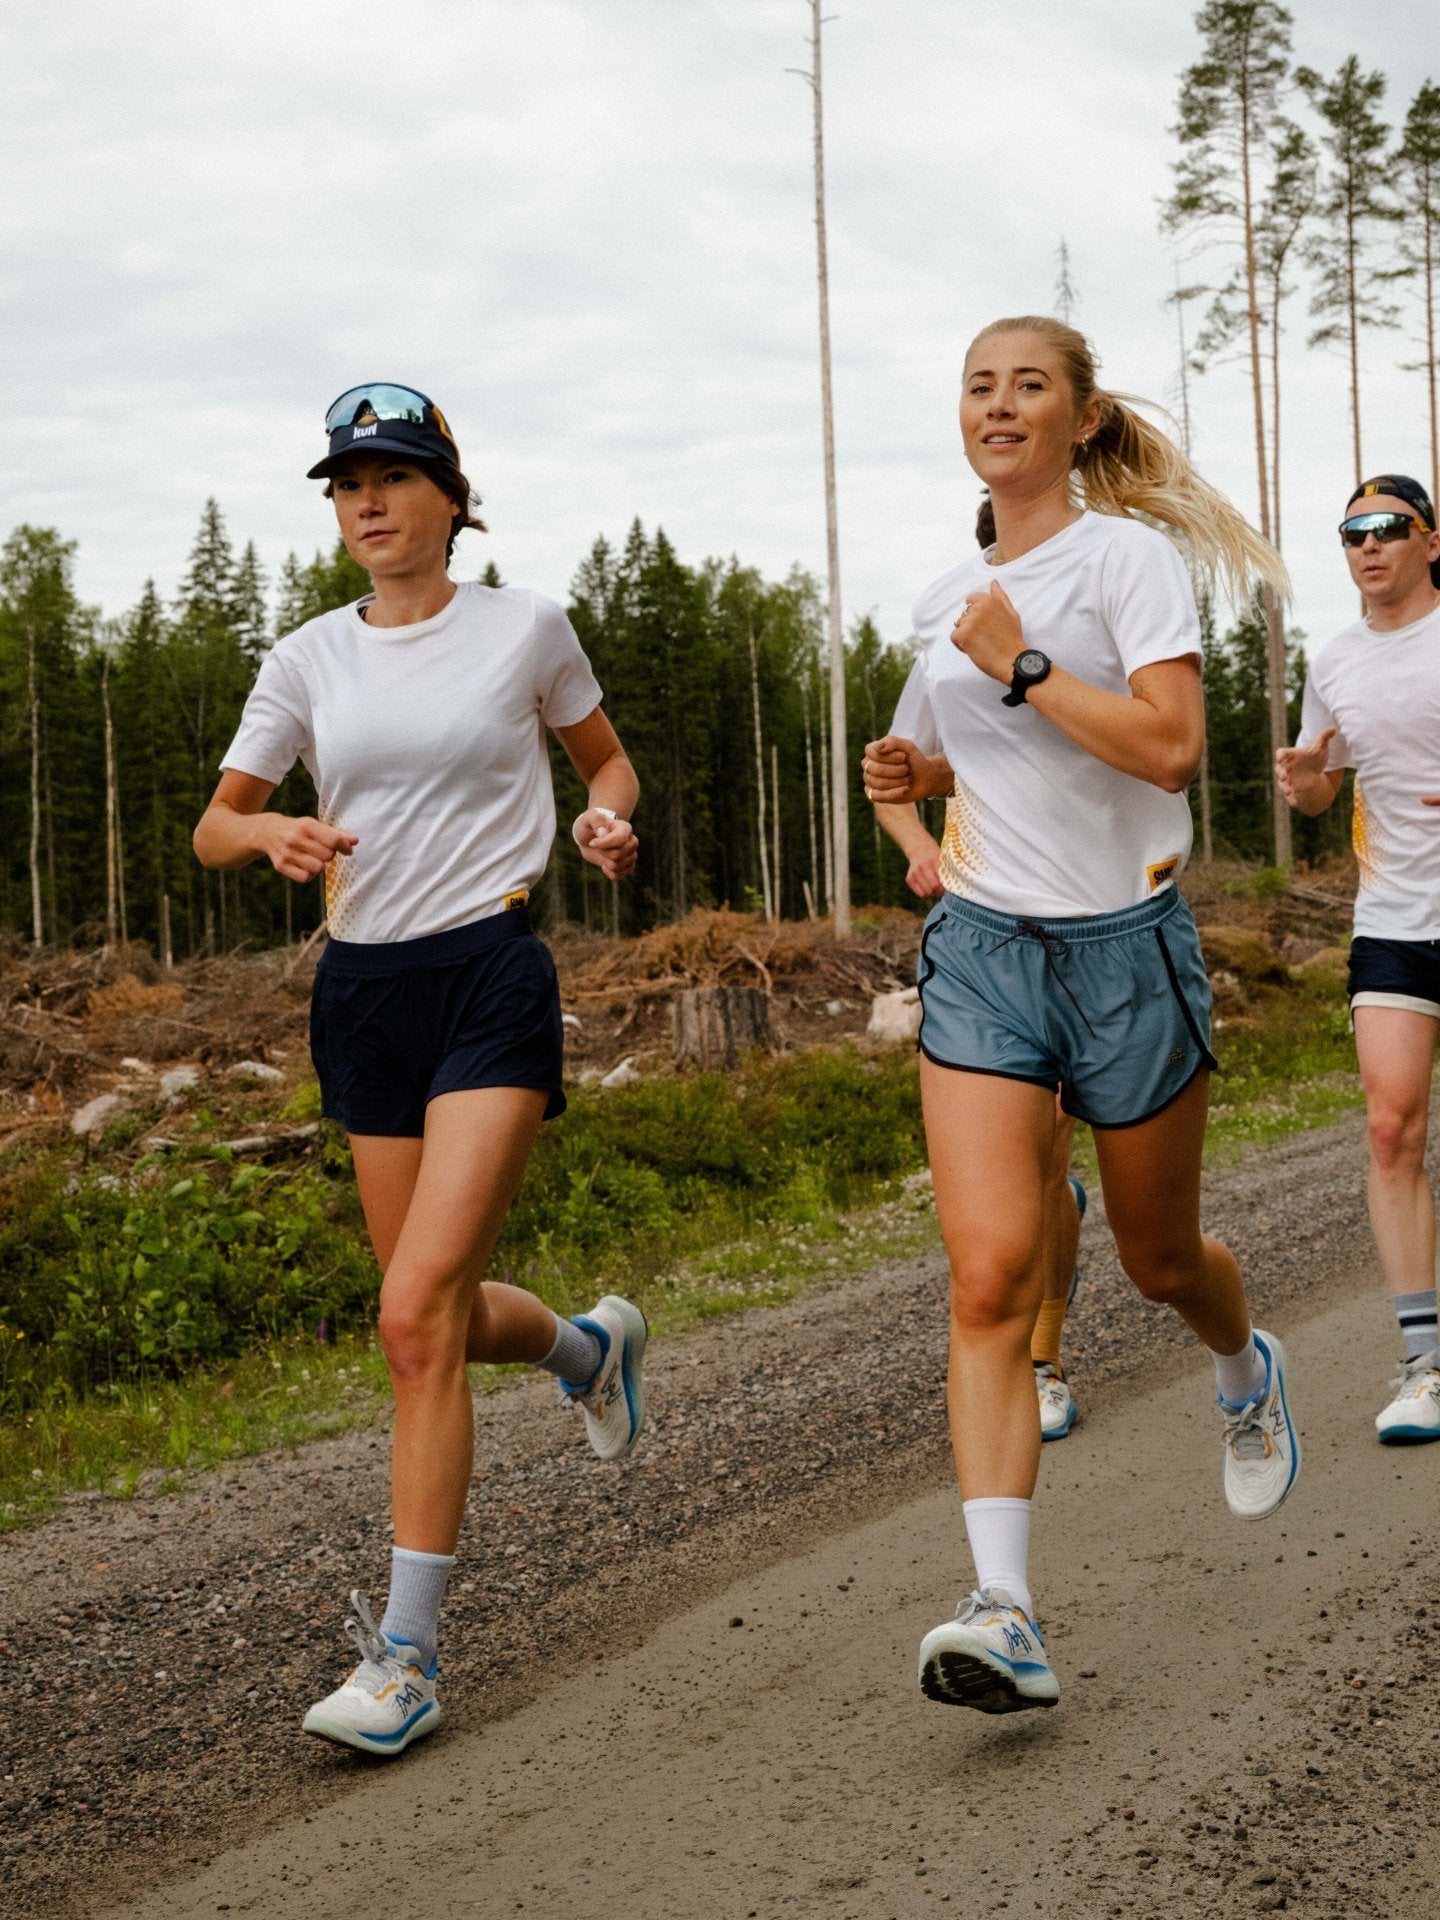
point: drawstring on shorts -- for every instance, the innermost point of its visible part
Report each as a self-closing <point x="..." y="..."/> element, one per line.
<point x="1052" y="944"/>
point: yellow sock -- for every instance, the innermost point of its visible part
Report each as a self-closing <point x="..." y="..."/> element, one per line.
<point x="1045" y="1340"/>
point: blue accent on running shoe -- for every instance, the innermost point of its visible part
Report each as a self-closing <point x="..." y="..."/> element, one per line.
<point x="1071" y="1416"/>
<point x="1262" y="1393"/>
<point x="1391" y="1434"/>
<point x="389" y="1739"/>
<point x="1270" y="1370"/>
<point x="403" y="1647"/>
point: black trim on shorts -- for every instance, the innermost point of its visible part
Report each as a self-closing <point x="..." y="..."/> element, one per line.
<point x="923" y="979"/>
<point x="1119" y="1126"/>
<point x="990" y="1073"/>
<point x="1203" y="1045"/>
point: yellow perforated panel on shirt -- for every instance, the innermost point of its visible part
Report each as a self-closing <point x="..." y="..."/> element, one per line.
<point x="1364" y="839"/>
<point x="962" y="851"/>
<point x="340" y="882"/>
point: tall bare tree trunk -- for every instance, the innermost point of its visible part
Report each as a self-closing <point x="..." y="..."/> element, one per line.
<point x="1207" y="838"/>
<point x="839" y="770"/>
<point x="37" y="916"/>
<point x="765" y="893"/>
<point x="814" y="886"/>
<point x="1430" y="356"/>
<point x="112" y="891"/>
<point x="1274" y="620"/>
<point x="775" y="818"/>
<point x="825" y="796"/>
<point x="167" y="946"/>
<point x="1207" y="831"/>
<point x="1350" y="250"/>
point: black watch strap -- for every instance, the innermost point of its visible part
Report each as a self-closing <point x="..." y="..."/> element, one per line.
<point x="1028" y="669"/>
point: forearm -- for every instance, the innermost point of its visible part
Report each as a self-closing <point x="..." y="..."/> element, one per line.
<point x="228" y="839"/>
<point x="614" y="785"/>
<point x="903" y="825"/>
<point x="1124" y="731"/>
<point x="1312" y="793"/>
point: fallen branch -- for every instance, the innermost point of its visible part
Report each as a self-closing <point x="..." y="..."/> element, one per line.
<point x="740" y="947"/>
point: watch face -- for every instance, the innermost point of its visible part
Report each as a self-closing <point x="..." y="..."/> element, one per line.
<point x="1031" y="663"/>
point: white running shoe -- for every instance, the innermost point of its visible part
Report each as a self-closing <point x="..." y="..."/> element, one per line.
<point x="388" y="1701"/>
<point x="1414" y="1414"/>
<point x="613" y="1398"/>
<point x="1058" y="1411"/>
<point x="1262" y="1448"/>
<point x="991" y="1656"/>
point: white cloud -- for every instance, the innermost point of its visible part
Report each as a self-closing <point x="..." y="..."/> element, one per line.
<point x="587" y="230"/>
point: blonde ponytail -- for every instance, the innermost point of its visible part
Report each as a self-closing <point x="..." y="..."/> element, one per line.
<point x="1129" y="467"/>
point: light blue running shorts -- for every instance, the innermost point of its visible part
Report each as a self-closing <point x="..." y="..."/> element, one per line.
<point x="1112" y="1010"/>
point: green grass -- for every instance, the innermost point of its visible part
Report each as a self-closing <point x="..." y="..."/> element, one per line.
<point x="149" y="1438"/>
<point x="248" y="1326"/>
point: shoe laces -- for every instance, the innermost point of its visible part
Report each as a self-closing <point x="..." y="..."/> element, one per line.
<point x="370" y="1643"/>
<point x="1245" y="1430"/>
<point x="1412" y="1373"/>
<point x="995" y="1601"/>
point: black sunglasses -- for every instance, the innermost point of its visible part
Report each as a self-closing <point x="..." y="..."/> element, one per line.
<point x="1385" y="527"/>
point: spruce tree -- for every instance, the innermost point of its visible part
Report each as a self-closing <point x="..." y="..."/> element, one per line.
<point x="1419" y="158"/>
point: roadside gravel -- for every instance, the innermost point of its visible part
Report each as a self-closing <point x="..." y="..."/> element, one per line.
<point x="159" y="1654"/>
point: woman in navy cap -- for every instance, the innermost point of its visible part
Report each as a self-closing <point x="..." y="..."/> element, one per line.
<point x="420" y="712"/>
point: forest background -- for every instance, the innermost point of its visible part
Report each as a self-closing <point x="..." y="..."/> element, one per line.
<point x="1285" y="181"/>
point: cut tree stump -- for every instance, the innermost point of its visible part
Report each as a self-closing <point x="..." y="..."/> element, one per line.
<point x="713" y="1023"/>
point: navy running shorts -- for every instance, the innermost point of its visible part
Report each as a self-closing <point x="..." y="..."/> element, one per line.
<point x="1112" y="1011"/>
<point x="1395" y="973"/>
<point x="393" y="1025"/>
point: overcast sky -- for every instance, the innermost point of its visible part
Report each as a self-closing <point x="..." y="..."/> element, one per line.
<point x="586" y="231"/>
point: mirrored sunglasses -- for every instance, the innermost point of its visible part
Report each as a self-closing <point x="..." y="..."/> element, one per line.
<point x="1385" y="527"/>
<point x="384" y="402"/>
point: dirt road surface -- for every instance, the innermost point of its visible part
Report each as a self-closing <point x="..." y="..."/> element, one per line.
<point x="705" y="1704"/>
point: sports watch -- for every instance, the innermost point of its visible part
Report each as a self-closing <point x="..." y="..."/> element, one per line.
<point x="1028" y="670"/>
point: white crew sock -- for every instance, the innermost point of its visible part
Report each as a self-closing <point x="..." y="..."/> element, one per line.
<point x="576" y="1354"/>
<point x="417" y="1588"/>
<point x="999" y="1533"/>
<point x="1240" y="1377"/>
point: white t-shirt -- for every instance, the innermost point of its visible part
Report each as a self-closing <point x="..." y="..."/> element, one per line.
<point x="1382" y="690"/>
<point x="428" y="742"/>
<point x="1038" y="826"/>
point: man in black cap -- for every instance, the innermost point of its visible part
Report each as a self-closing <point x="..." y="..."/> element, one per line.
<point x="1372" y="702"/>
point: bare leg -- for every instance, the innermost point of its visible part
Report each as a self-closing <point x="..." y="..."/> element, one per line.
<point x="990" y="1143"/>
<point x="1060" y="1243"/>
<point x="1397" y="1053"/>
<point x="1151" y="1177"/>
<point x="435" y="1215"/>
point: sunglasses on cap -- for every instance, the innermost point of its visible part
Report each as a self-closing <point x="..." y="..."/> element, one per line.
<point x="1385" y="527"/>
<point x="383" y="402"/>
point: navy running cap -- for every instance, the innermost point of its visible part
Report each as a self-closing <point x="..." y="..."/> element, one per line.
<point x="385" y="418"/>
<point x="1399" y="486"/>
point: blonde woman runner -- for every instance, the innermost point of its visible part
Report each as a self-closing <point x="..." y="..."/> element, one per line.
<point x="1065" y="1197"/>
<point x="1062" y="674"/>
<point x="421" y="711"/>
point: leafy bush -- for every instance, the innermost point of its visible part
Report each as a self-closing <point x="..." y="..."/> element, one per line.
<point x="111" y="1281"/>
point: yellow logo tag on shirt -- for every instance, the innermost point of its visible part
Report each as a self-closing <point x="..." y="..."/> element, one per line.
<point x="514" y="900"/>
<point x="1162" y="871"/>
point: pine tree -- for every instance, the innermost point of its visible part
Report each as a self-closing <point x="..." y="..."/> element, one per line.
<point x="1354" y="200"/>
<point x="248" y="618"/>
<point x="1419" y="158"/>
<point x="1229" y="112"/>
<point x="1067" y="297"/>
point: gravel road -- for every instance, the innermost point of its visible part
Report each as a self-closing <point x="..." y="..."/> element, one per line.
<point x="657" y="1759"/>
